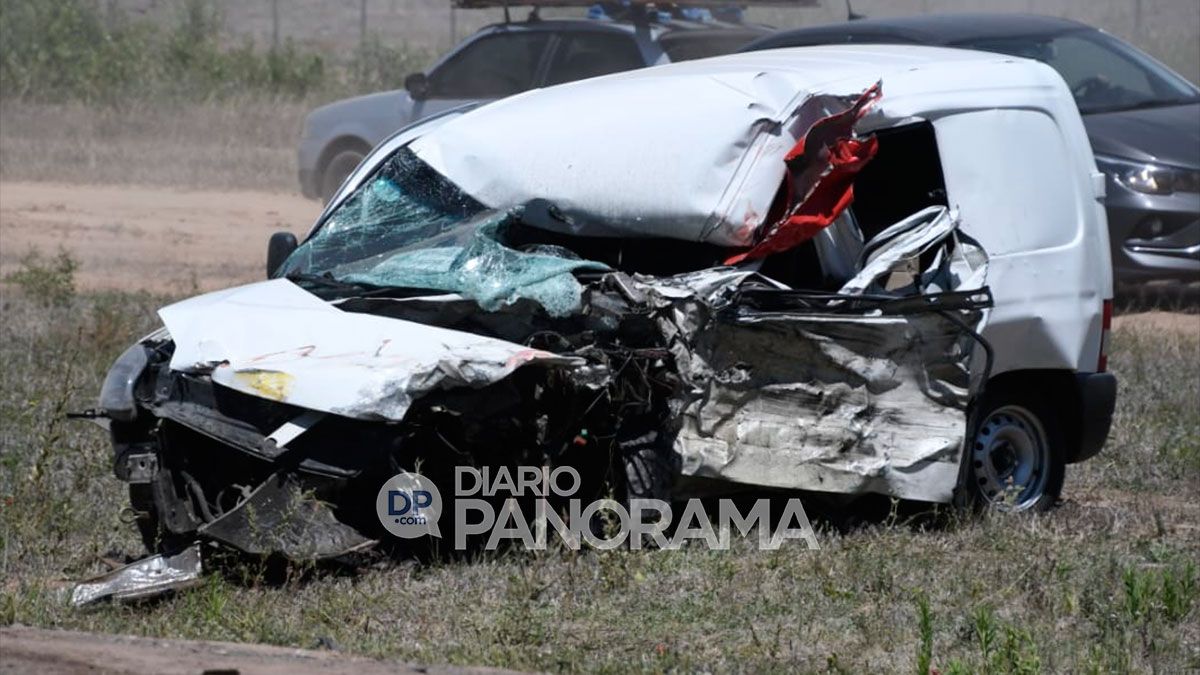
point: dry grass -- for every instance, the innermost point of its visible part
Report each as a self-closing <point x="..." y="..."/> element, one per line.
<point x="240" y="144"/>
<point x="1105" y="583"/>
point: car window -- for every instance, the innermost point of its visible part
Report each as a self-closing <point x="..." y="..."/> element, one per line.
<point x="1103" y="73"/>
<point x="686" y="45"/>
<point x="491" y="67"/>
<point x="591" y="54"/>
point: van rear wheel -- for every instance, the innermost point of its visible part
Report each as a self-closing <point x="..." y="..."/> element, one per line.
<point x="1016" y="456"/>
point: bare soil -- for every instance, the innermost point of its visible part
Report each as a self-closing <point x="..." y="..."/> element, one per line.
<point x="148" y="238"/>
<point x="66" y="652"/>
<point x="170" y="240"/>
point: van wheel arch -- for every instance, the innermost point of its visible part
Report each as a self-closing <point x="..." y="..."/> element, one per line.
<point x="1057" y="386"/>
<point x="1039" y="409"/>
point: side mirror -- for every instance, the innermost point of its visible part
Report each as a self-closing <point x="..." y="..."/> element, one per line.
<point x="417" y="85"/>
<point x="278" y="249"/>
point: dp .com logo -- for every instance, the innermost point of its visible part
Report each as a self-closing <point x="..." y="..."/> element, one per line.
<point x="409" y="505"/>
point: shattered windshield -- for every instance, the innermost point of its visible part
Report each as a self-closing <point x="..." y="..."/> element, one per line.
<point x="404" y="203"/>
<point x="410" y="227"/>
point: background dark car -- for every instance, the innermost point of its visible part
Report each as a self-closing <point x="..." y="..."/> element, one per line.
<point x="1142" y="118"/>
<point x="502" y="60"/>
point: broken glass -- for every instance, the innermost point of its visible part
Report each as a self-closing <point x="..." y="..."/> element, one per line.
<point x="488" y="272"/>
<point x="404" y="203"/>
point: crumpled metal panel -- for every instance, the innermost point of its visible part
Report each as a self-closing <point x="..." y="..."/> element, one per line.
<point x="825" y="401"/>
<point x="849" y="405"/>
<point x="142" y="579"/>
<point x="687" y="153"/>
<point x="924" y="231"/>
<point x="276" y="341"/>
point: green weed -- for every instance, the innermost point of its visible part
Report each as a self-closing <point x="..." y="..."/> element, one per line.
<point x="46" y="281"/>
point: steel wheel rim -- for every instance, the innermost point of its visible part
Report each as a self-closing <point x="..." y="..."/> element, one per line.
<point x="1011" y="458"/>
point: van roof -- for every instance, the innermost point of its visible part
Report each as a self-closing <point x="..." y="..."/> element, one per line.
<point x="910" y="74"/>
<point x="625" y="133"/>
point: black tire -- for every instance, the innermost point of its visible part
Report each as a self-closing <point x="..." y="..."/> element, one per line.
<point x="337" y="168"/>
<point x="1016" y="454"/>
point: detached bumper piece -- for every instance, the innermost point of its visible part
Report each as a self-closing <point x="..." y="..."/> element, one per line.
<point x="143" y="579"/>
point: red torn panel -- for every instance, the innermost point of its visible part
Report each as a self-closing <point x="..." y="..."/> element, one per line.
<point x="822" y="165"/>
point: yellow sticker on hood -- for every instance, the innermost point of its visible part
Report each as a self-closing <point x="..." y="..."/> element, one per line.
<point x="266" y="383"/>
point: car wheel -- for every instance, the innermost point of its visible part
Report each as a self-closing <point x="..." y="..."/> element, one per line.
<point x="336" y="171"/>
<point x="1016" y="457"/>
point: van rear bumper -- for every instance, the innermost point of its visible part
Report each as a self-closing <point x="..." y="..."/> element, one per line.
<point x="1097" y="400"/>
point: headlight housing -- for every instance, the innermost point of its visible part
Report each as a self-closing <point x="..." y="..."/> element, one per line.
<point x="1149" y="178"/>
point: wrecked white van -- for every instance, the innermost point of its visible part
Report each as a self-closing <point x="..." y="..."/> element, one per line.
<point x="844" y="270"/>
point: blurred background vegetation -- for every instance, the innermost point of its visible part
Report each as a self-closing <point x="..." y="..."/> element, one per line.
<point x="204" y="50"/>
<point x="72" y="50"/>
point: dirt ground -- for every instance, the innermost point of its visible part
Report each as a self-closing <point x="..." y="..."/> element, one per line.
<point x="65" y="652"/>
<point x="148" y="238"/>
<point x="163" y="239"/>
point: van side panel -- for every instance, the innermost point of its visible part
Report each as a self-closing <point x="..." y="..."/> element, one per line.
<point x="1024" y="189"/>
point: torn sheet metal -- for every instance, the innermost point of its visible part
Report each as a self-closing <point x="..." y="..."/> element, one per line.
<point x="143" y="579"/>
<point x="820" y="178"/>
<point x="276" y="341"/>
<point x="849" y="405"/>
<point x="962" y="267"/>
<point x="687" y="154"/>
<point x="813" y="400"/>
<point x="281" y="517"/>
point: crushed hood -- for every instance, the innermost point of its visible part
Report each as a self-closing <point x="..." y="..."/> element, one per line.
<point x="276" y="341"/>
<point x="690" y="155"/>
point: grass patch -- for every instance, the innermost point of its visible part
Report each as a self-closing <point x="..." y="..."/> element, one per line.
<point x="48" y="282"/>
<point x="73" y="50"/>
<point x="92" y="94"/>
<point x="247" y="143"/>
<point x="1105" y="583"/>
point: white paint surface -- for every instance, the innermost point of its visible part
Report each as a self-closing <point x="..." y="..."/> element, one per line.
<point x="275" y="340"/>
